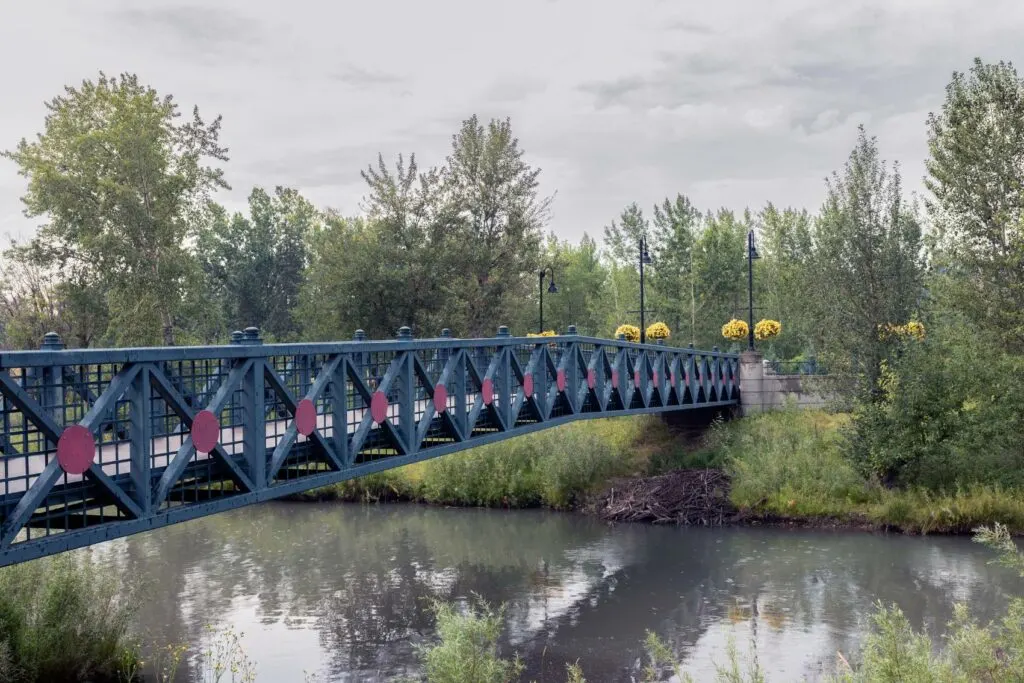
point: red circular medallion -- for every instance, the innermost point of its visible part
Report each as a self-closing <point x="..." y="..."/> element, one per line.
<point x="305" y="417"/>
<point x="615" y="378"/>
<point x="76" y="449"/>
<point x="440" y="398"/>
<point x="672" y="378"/>
<point x="379" y="407"/>
<point x="591" y="378"/>
<point x="205" y="431"/>
<point x="560" y="380"/>
<point x="528" y="384"/>
<point x="655" y="378"/>
<point x="636" y="377"/>
<point x="487" y="389"/>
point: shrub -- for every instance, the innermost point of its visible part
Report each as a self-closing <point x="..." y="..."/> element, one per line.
<point x="950" y="411"/>
<point x="468" y="648"/>
<point x="63" y="619"/>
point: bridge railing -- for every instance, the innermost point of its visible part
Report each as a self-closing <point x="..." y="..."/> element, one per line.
<point x="100" y="443"/>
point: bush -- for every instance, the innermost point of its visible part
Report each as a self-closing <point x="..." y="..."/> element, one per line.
<point x="62" y="619"/>
<point x="468" y="647"/>
<point x="950" y="412"/>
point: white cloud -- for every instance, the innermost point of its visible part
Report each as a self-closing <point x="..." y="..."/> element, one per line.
<point x="734" y="103"/>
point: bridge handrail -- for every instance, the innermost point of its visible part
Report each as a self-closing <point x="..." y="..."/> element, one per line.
<point x="250" y="349"/>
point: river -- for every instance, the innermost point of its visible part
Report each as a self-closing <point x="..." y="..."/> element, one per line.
<point x="341" y="590"/>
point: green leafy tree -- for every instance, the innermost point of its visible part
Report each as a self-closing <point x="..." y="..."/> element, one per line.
<point x="976" y="177"/>
<point x="867" y="268"/>
<point x="720" y="271"/>
<point x="257" y="264"/>
<point x="785" y="244"/>
<point x="621" y="239"/>
<point x="493" y="217"/>
<point x="581" y="277"/>
<point x="120" y="179"/>
<point x="676" y="229"/>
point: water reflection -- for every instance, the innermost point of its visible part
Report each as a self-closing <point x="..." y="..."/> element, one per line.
<point x="344" y="589"/>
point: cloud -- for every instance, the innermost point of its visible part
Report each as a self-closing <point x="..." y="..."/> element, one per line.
<point x="734" y="104"/>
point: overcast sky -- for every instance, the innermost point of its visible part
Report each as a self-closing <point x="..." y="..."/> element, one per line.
<point x="733" y="103"/>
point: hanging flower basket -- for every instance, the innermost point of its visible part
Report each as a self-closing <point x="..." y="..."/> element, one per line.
<point x="735" y="330"/>
<point x="658" y="331"/>
<point x="766" y="329"/>
<point x="631" y="332"/>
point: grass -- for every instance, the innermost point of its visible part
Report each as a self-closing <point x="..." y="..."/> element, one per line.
<point x="784" y="466"/>
<point x="556" y="468"/>
<point x="63" y="619"/>
<point x="789" y="465"/>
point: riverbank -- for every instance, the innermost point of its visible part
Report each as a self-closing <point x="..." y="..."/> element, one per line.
<point x="783" y="468"/>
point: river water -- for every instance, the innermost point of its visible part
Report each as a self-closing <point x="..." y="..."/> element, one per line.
<point x="341" y="590"/>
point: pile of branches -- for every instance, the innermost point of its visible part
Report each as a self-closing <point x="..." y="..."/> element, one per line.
<point x="690" y="497"/>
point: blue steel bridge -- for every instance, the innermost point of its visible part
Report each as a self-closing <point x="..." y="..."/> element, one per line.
<point x="102" y="443"/>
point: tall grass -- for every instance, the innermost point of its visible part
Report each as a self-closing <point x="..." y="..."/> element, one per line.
<point x="557" y="468"/>
<point x="63" y="619"/>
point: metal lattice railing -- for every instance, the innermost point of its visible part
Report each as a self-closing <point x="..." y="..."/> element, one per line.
<point x="98" y="444"/>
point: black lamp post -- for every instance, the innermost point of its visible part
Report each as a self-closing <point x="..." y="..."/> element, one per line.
<point x="552" y="289"/>
<point x="645" y="259"/>
<point x="751" y="255"/>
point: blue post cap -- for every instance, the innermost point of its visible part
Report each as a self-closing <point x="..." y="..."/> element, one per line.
<point x="52" y="340"/>
<point x="572" y="329"/>
<point x="503" y="331"/>
<point x="446" y="332"/>
<point x="360" y="335"/>
<point x="237" y="337"/>
<point x="252" y="336"/>
<point x="405" y="332"/>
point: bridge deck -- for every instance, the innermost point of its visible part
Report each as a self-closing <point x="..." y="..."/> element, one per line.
<point x="97" y="444"/>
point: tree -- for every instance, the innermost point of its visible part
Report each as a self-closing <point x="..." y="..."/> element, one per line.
<point x="621" y="239"/>
<point x="786" y="246"/>
<point x="720" y="272"/>
<point x="257" y="264"/>
<point x="676" y="228"/>
<point x="581" y="277"/>
<point x="976" y="177"/>
<point x="494" y="219"/>
<point x="120" y="181"/>
<point x="867" y="269"/>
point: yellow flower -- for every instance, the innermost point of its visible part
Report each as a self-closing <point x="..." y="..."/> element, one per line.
<point x="766" y="329"/>
<point x="658" y="330"/>
<point x="545" y="333"/>
<point x="631" y="332"/>
<point x="735" y="330"/>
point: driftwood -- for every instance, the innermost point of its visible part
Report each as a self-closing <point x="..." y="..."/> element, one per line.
<point x="689" y="497"/>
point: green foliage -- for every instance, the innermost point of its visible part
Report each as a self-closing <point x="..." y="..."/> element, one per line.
<point x="468" y="647"/>
<point x="256" y="264"/>
<point x="555" y="468"/>
<point x="949" y="413"/>
<point x="120" y="181"/>
<point x="975" y="176"/>
<point x="62" y="619"/>
<point x="866" y="270"/>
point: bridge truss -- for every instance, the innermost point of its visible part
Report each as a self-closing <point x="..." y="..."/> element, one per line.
<point x="101" y="443"/>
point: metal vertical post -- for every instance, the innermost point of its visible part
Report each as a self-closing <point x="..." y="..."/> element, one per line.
<point x="750" y="289"/>
<point x="339" y="411"/>
<point x="254" y="431"/>
<point x="407" y="395"/>
<point x="52" y="379"/>
<point x="504" y="378"/>
<point x="141" y="393"/>
<point x="643" y="311"/>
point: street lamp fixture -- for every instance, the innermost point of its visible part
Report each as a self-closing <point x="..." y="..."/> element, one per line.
<point x="751" y="255"/>
<point x="645" y="259"/>
<point x="552" y="289"/>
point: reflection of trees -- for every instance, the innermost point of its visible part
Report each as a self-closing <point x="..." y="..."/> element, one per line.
<point x="361" y="577"/>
